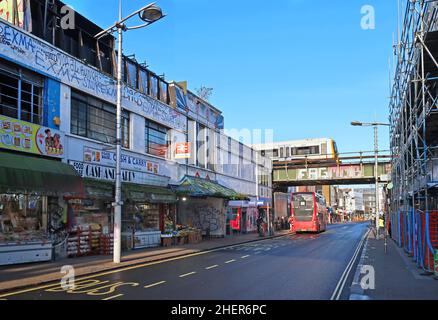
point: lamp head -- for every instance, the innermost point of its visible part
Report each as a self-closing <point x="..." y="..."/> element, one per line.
<point x="151" y="14"/>
<point x="356" y="124"/>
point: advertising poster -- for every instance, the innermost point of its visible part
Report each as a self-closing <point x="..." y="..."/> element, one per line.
<point x="31" y="138"/>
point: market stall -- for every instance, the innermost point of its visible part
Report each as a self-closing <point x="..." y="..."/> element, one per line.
<point x="143" y="216"/>
<point x="203" y="206"/>
<point x="89" y="220"/>
<point x="30" y="187"/>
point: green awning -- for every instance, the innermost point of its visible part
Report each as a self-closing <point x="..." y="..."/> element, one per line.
<point x="197" y="187"/>
<point x="98" y="189"/>
<point x="27" y="174"/>
<point x="150" y="194"/>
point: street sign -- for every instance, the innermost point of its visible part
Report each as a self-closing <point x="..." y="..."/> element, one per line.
<point x="182" y="150"/>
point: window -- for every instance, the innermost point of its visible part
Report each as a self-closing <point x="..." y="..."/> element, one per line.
<point x="143" y="84"/>
<point x="281" y="152"/>
<point x="275" y="153"/>
<point x="96" y="119"/>
<point x="153" y="89"/>
<point x="163" y="91"/>
<point x="21" y="94"/>
<point x="131" y="74"/>
<point x="308" y="150"/>
<point x="287" y="152"/>
<point x="156" y="139"/>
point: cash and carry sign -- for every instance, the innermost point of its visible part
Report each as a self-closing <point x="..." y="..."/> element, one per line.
<point x="27" y="137"/>
<point x="108" y="158"/>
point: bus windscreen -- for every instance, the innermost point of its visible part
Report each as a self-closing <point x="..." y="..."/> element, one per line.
<point x="303" y="206"/>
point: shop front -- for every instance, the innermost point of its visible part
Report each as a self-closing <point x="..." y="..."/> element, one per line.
<point x="147" y="214"/>
<point x="242" y="215"/>
<point x="31" y="206"/>
<point x="89" y="220"/>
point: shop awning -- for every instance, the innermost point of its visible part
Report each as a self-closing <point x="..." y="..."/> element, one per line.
<point x="197" y="187"/>
<point x="150" y="194"/>
<point x="97" y="189"/>
<point x="26" y="174"/>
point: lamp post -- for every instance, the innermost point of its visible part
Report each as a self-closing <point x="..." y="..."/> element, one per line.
<point x="148" y="14"/>
<point x="376" y="162"/>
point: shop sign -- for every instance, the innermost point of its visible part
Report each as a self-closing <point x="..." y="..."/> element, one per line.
<point x="108" y="158"/>
<point x="182" y="150"/>
<point x="99" y="172"/>
<point x="27" y="137"/>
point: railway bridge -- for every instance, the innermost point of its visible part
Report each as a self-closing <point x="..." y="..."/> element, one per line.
<point x="348" y="168"/>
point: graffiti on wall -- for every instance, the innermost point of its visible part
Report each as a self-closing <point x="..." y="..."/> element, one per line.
<point x="209" y="218"/>
<point x="40" y="56"/>
<point x="204" y="214"/>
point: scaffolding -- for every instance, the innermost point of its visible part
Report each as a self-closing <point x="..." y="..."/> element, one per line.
<point x="414" y="132"/>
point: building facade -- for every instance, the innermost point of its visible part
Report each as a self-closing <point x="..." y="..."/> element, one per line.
<point x="58" y="110"/>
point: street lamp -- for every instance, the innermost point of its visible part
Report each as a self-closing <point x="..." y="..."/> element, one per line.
<point x="376" y="163"/>
<point x="148" y="14"/>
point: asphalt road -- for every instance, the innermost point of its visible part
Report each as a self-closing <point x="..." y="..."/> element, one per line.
<point x="297" y="267"/>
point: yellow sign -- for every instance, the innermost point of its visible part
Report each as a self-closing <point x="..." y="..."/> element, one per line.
<point x="27" y="137"/>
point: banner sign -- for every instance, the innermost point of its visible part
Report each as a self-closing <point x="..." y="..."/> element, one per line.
<point x="108" y="158"/>
<point x="88" y="170"/>
<point x="27" y="137"/>
<point x="40" y="56"/>
<point x="182" y="150"/>
<point x="350" y="172"/>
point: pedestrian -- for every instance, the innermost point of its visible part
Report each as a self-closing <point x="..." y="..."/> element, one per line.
<point x="259" y="225"/>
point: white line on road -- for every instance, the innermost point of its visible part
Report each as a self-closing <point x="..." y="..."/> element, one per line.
<point x="340" y="286"/>
<point x="229" y="261"/>
<point x="113" y="297"/>
<point x="243" y="257"/>
<point x="211" y="267"/>
<point x="187" y="274"/>
<point x="154" y="284"/>
<point x="131" y="267"/>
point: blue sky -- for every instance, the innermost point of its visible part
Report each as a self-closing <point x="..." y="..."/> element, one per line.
<point x="303" y="68"/>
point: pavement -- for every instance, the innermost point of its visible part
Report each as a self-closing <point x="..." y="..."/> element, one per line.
<point x="291" y="267"/>
<point x="24" y="275"/>
<point x="396" y="276"/>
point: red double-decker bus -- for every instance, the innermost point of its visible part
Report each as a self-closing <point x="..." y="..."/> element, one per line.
<point x="308" y="212"/>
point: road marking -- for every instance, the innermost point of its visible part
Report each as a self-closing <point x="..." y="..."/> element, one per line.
<point x="340" y="286"/>
<point x="187" y="274"/>
<point x="154" y="284"/>
<point x="211" y="267"/>
<point x="147" y="264"/>
<point x="229" y="261"/>
<point x="243" y="257"/>
<point x="113" y="297"/>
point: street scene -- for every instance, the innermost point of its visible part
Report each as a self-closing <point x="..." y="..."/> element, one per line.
<point x="164" y="151"/>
